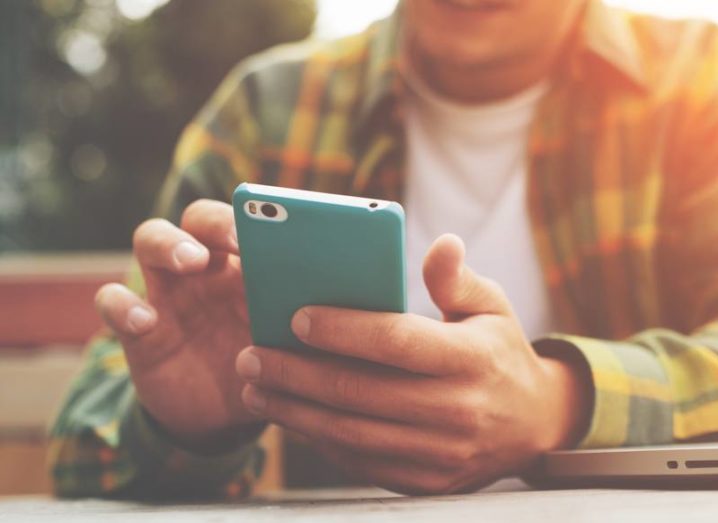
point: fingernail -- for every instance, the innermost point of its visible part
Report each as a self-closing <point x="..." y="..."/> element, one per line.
<point x="187" y="252"/>
<point x="139" y="319"/>
<point x="248" y="365"/>
<point x="301" y="324"/>
<point x="256" y="400"/>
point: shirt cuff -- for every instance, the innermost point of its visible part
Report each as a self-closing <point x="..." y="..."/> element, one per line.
<point x="623" y="375"/>
<point x="168" y="470"/>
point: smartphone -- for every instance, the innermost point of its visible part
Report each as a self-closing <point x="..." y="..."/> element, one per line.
<point x="302" y="248"/>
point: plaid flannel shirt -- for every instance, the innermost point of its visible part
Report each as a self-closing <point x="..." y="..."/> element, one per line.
<point x="622" y="194"/>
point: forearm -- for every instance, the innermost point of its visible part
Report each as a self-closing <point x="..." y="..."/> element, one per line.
<point x="570" y="398"/>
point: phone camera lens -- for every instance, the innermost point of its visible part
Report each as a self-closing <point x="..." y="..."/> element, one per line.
<point x="373" y="205"/>
<point x="269" y="210"/>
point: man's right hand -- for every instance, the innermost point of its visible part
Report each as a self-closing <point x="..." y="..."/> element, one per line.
<point x="182" y="341"/>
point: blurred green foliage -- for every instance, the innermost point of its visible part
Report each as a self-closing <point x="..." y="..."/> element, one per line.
<point x="91" y="105"/>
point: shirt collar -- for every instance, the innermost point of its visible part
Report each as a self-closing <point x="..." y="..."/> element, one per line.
<point x="383" y="82"/>
<point x="604" y="32"/>
<point x="608" y="35"/>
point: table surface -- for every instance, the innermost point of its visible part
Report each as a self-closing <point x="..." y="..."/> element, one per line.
<point x="508" y="500"/>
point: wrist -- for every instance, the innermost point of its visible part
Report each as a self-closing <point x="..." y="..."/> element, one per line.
<point x="569" y="399"/>
<point x="222" y="441"/>
<point x="210" y="443"/>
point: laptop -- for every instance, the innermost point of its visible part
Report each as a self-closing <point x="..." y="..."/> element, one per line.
<point x="674" y="466"/>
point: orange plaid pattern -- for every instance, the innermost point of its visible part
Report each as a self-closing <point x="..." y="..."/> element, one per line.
<point x="623" y="196"/>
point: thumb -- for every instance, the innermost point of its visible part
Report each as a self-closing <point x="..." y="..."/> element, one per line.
<point x="455" y="289"/>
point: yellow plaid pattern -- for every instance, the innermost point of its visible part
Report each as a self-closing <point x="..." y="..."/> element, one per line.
<point x="623" y="196"/>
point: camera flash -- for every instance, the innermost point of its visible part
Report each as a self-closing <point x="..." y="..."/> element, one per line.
<point x="252" y="207"/>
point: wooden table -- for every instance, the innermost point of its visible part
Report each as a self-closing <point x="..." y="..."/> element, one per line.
<point x="508" y="500"/>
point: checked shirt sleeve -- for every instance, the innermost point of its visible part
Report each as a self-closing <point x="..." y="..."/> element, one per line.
<point x="104" y="444"/>
<point x="656" y="387"/>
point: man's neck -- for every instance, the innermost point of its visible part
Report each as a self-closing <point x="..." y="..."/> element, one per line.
<point x="480" y="84"/>
<point x="472" y="84"/>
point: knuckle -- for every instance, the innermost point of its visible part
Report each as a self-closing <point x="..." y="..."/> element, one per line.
<point x="466" y="416"/>
<point x="346" y="387"/>
<point x="345" y="432"/>
<point x="194" y="208"/>
<point x="481" y="364"/>
<point x="206" y="214"/>
<point x="284" y="372"/>
<point x="458" y="455"/>
<point x="147" y="232"/>
<point x="395" y="334"/>
<point x="141" y="232"/>
<point x="477" y="356"/>
<point x="488" y="364"/>
<point x="103" y="297"/>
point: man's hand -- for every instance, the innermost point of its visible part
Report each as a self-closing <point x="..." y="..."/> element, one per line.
<point x="417" y="405"/>
<point x="182" y="341"/>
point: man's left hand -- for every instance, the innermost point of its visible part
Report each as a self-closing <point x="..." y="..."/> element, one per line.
<point x="417" y="405"/>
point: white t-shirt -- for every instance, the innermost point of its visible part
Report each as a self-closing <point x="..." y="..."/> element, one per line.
<point x="467" y="169"/>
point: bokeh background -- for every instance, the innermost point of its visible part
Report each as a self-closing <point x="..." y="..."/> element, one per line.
<point x="93" y="94"/>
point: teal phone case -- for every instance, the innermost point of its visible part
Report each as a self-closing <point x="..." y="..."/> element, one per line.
<point x="343" y="254"/>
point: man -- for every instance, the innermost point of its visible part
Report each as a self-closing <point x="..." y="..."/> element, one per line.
<point x="573" y="150"/>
